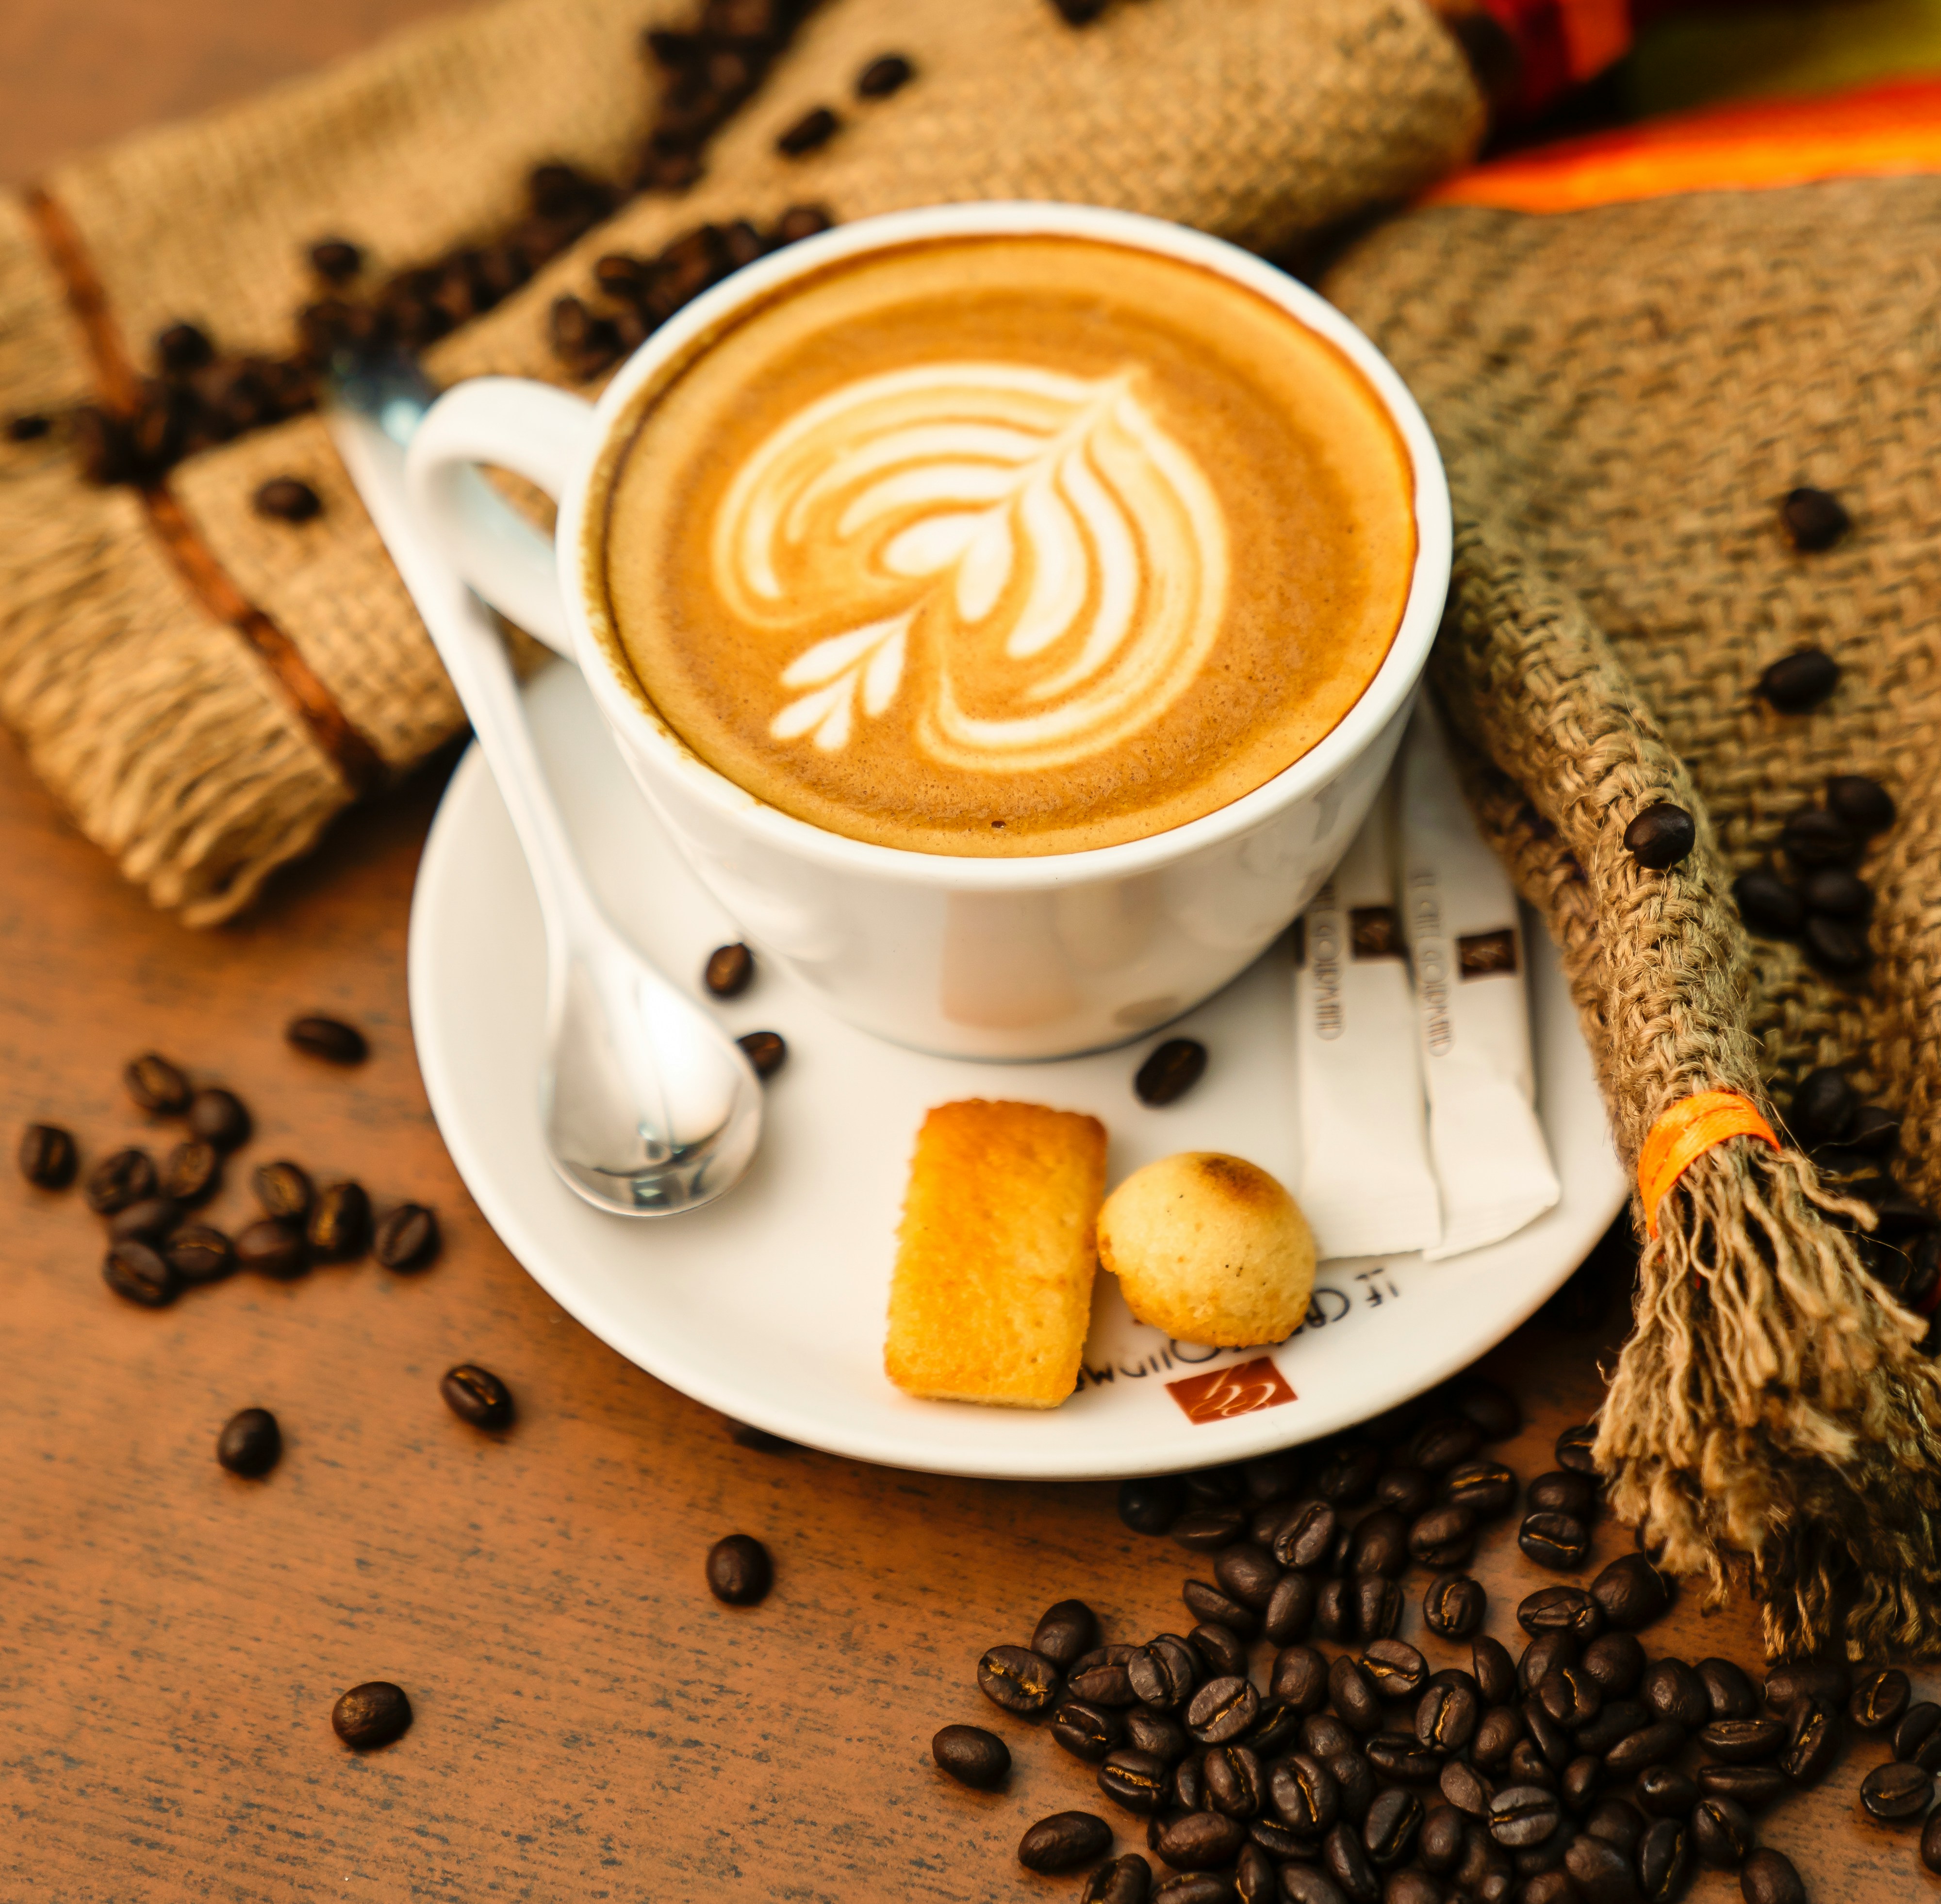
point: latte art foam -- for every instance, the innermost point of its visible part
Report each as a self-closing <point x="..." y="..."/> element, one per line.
<point x="1026" y="557"/>
<point x="1003" y="545"/>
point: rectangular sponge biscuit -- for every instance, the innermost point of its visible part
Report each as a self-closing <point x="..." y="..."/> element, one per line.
<point x="992" y="1289"/>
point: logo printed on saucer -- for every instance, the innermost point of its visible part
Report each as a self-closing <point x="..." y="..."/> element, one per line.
<point x="1243" y="1389"/>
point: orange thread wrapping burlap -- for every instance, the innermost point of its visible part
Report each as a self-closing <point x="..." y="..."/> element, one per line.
<point x="149" y="697"/>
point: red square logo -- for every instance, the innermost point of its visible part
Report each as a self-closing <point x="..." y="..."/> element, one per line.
<point x="1244" y="1389"/>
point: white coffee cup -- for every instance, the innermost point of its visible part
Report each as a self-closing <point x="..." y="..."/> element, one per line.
<point x="993" y="958"/>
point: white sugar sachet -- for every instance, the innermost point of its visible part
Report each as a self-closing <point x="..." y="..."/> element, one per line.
<point x="1465" y="940"/>
<point x="1366" y="1185"/>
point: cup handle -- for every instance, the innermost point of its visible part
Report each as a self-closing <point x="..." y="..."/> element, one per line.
<point x="535" y="431"/>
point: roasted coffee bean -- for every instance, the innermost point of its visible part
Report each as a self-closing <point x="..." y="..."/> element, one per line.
<point x="478" y="1396"/>
<point x="157" y="1086"/>
<point x="738" y="1570"/>
<point x="123" y="1177"/>
<point x="1495" y="1671"/>
<point x="1276" y="1728"/>
<point x="1650" y="1745"/>
<point x="1290" y="1609"/>
<point x="1768" y="1877"/>
<point x="1444" y="1537"/>
<point x="142" y="1274"/>
<point x="1064" y="1842"/>
<point x="1447" y="1716"/>
<point x="1401" y="1758"/>
<point x="1879" y="1699"/>
<point x="200" y="1254"/>
<point x="1352" y="1693"/>
<point x="287" y="499"/>
<point x="729" y="971"/>
<point x="1570" y="1696"/>
<point x="1170" y="1071"/>
<point x="1407" y="1490"/>
<point x="1799" y="682"/>
<point x="1125" y="1881"/>
<point x="284" y="1190"/>
<point x="1558" y="1747"/>
<point x="1394" y="1668"/>
<point x="1498" y="1734"/>
<point x="371" y="1715"/>
<point x="1875" y="1131"/>
<point x="1722" y="1834"/>
<point x="272" y="1247"/>
<point x="1344" y="1860"/>
<point x="1495" y="1411"/>
<point x="1562" y="1491"/>
<point x="1066" y="1632"/>
<point x="1439" y="1845"/>
<point x="1188" y="1786"/>
<point x="1136" y="1780"/>
<point x="1300" y="1679"/>
<point x="1542" y="1656"/>
<point x="1931" y="1841"/>
<point x="766" y="1051"/>
<point x="1304" y="1884"/>
<point x="1561" y="1609"/>
<point x="407" y="1238"/>
<point x="339" y="1228"/>
<point x="1222" y="1650"/>
<point x="815" y="128"/>
<point x="1195" y="1887"/>
<point x="1660" y="835"/>
<point x="336" y="260"/>
<point x="1162" y="1674"/>
<point x="1377" y="1605"/>
<point x="1222" y="1710"/>
<point x="888" y="73"/>
<point x="1728" y="1693"/>
<point x="1601" y="1873"/>
<point x="1267" y="1478"/>
<point x="1389" y="1831"/>
<point x="47" y="1156"/>
<point x="1836" y="947"/>
<point x="1485" y="1488"/>
<point x="1248" y="1574"/>
<point x="1813" y="519"/>
<point x="1812" y="837"/>
<point x="1750" y="1786"/>
<point x="1557" y="1541"/>
<point x="1306" y="1535"/>
<point x="1664" y="1860"/>
<point x="1348" y="1477"/>
<point x="1573" y="1447"/>
<point x="1863" y="805"/>
<point x="1547" y="1887"/>
<point x="1303" y="1791"/>
<point x="1616" y="1662"/>
<point x="1205" y="1530"/>
<point x="1255" y="1880"/>
<point x="1103" y="1677"/>
<point x="1523" y="1815"/>
<point x="1838" y="893"/>
<point x="192" y="1171"/>
<point x="1829" y="1681"/>
<point x="1632" y="1592"/>
<point x="1335" y="1611"/>
<point x="1580" y="1782"/>
<point x="1822" y="1107"/>
<point x="250" y="1442"/>
<point x="1354" y="1779"/>
<point x="1410" y="1886"/>
<point x="29" y="427"/>
<point x="1618" y="1822"/>
<point x="1454" y="1605"/>
<point x="1157" y="1733"/>
<point x="1483" y="1863"/>
<point x="1618" y="1720"/>
<point x="1897" y="1793"/>
<point x="1767" y="904"/>
<point x="1202" y="1841"/>
<point x="1673" y="1690"/>
<point x="1085" y="1730"/>
<point x="1465" y="1788"/>
<point x="1235" y="1782"/>
<point x="1812" y="1742"/>
<point x="1444" y="1443"/>
<point x="1917" y="1736"/>
<point x="972" y="1756"/>
<point x="329" y="1039"/>
<point x="1667" y="1792"/>
<point x="146" y="1222"/>
<point x="1150" y="1505"/>
<point x="1216" y="1487"/>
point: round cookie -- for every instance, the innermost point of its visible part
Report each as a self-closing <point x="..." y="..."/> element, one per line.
<point x="1209" y="1248"/>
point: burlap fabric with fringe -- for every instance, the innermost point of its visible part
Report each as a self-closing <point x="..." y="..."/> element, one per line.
<point x="204" y="689"/>
<point x="1623" y="394"/>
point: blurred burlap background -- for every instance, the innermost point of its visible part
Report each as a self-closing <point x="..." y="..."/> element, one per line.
<point x="1625" y="392"/>
<point x="203" y="688"/>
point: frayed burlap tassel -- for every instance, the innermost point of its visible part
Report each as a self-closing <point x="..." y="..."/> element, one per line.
<point x="1769" y="1420"/>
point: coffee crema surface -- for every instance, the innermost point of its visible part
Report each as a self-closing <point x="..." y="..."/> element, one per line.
<point x="1004" y="546"/>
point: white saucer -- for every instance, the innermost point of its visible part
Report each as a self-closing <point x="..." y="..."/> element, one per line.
<point x="769" y="1304"/>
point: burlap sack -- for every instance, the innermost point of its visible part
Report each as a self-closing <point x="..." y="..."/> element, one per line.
<point x="1624" y="392"/>
<point x="203" y="688"/>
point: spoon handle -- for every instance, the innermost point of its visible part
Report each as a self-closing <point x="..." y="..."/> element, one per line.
<point x="470" y="644"/>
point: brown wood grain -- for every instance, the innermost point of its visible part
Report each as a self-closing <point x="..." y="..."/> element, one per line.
<point x="589" y="1723"/>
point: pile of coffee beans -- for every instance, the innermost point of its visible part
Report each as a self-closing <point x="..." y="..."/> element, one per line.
<point x="1825" y="905"/>
<point x="1579" y="1771"/>
<point x="156" y="1247"/>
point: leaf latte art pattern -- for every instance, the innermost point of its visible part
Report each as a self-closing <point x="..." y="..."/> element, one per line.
<point x="1029" y="556"/>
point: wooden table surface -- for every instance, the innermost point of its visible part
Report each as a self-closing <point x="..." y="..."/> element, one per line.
<point x="590" y="1724"/>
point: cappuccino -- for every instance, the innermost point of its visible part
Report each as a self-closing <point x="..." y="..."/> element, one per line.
<point x="1003" y="545"/>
